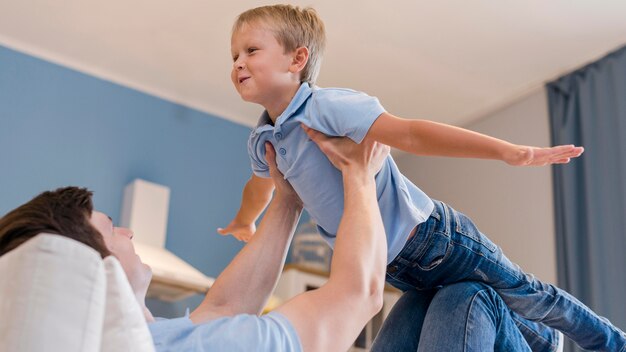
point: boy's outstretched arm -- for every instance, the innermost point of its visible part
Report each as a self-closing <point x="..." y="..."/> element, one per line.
<point x="422" y="137"/>
<point x="256" y="196"/>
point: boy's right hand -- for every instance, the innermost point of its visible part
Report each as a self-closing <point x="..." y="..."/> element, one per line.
<point x="536" y="156"/>
<point x="242" y="232"/>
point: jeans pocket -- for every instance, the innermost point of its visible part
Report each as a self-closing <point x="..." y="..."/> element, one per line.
<point x="467" y="228"/>
<point x="436" y="251"/>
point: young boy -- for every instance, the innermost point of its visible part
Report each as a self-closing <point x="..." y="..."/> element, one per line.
<point x="277" y="52"/>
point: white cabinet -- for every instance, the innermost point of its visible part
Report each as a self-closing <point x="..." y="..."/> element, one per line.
<point x="296" y="279"/>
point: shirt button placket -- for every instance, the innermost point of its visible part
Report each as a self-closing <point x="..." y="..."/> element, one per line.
<point x="279" y="136"/>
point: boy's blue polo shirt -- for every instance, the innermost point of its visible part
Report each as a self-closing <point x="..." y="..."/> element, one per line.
<point x="243" y="332"/>
<point x="335" y="112"/>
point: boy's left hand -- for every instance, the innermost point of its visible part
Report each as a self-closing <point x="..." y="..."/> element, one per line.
<point x="535" y="156"/>
<point x="242" y="232"/>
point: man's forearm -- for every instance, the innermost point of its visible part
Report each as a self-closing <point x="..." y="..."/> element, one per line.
<point x="354" y="291"/>
<point x="359" y="241"/>
<point x="246" y="284"/>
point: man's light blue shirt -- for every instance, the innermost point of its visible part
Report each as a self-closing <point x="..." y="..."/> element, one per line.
<point x="335" y="112"/>
<point x="244" y="332"/>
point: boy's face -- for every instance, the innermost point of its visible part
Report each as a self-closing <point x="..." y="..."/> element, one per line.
<point x="262" y="71"/>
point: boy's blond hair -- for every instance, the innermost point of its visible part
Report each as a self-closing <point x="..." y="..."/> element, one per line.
<point x="293" y="27"/>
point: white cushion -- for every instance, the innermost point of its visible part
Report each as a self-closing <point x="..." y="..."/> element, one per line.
<point x="57" y="294"/>
<point x="125" y="327"/>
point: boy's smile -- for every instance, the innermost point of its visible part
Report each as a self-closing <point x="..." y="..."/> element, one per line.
<point x="262" y="71"/>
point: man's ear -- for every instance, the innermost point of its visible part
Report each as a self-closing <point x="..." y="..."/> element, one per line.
<point x="300" y="58"/>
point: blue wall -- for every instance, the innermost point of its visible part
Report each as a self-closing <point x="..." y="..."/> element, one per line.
<point x="59" y="127"/>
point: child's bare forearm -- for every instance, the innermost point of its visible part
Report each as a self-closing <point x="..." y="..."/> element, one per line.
<point x="439" y="139"/>
<point x="432" y="138"/>
<point x="256" y="196"/>
<point x="422" y="137"/>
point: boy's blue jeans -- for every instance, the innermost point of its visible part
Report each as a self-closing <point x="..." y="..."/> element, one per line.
<point x="463" y="317"/>
<point x="448" y="248"/>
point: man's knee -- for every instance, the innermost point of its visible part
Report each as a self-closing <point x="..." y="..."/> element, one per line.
<point x="469" y="290"/>
<point x="474" y="297"/>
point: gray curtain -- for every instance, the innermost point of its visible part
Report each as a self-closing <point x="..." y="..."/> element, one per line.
<point x="588" y="108"/>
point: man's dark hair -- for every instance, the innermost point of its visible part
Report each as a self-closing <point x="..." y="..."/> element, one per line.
<point x="65" y="211"/>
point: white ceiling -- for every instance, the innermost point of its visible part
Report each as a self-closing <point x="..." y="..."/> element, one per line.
<point x="449" y="61"/>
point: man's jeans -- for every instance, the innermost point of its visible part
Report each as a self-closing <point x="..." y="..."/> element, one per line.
<point x="463" y="317"/>
<point x="448" y="248"/>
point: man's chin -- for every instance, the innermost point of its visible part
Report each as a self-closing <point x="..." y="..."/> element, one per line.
<point x="148" y="270"/>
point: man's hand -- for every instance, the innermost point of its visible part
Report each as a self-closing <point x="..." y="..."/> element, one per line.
<point x="283" y="188"/>
<point x="345" y="154"/>
<point x="535" y="156"/>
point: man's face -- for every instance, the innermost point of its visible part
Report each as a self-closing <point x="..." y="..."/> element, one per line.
<point x="260" y="65"/>
<point x="119" y="241"/>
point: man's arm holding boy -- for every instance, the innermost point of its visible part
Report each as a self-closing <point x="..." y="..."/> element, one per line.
<point x="248" y="281"/>
<point x="331" y="317"/>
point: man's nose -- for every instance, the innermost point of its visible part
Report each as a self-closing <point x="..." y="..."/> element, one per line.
<point x="125" y="232"/>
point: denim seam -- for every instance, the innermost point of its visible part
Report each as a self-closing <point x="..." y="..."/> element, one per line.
<point x="491" y="247"/>
<point x="446" y="256"/>
<point x="448" y="220"/>
<point x="418" y="251"/>
<point x="460" y="229"/>
<point x="559" y="337"/>
<point x="482" y="255"/>
<point x="512" y="273"/>
<point x="528" y="329"/>
<point x="467" y="323"/>
<point x="623" y="347"/>
<point x="551" y="307"/>
<point x="471" y="305"/>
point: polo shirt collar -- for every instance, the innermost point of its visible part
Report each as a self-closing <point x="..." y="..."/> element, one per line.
<point x="303" y="93"/>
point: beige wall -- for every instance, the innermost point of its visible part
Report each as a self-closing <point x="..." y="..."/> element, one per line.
<point x="512" y="205"/>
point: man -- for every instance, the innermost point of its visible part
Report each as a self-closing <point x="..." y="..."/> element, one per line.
<point x="325" y="319"/>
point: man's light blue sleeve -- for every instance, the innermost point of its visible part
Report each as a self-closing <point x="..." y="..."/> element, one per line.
<point x="269" y="333"/>
<point x="344" y="112"/>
